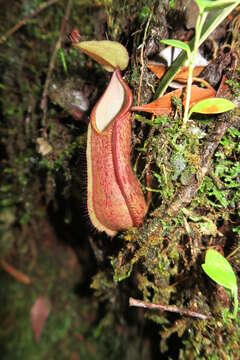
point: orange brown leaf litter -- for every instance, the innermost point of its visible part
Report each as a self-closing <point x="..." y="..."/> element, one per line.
<point x="160" y="69"/>
<point x="163" y="105"/>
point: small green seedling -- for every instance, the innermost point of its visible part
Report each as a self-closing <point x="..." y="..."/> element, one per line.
<point x="204" y="7"/>
<point x="220" y="271"/>
<point x="212" y="106"/>
<point x="213" y="20"/>
<point x="63" y="60"/>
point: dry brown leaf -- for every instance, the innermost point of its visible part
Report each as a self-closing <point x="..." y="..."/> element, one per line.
<point x="39" y="314"/>
<point x="182" y="76"/>
<point x="163" y="105"/>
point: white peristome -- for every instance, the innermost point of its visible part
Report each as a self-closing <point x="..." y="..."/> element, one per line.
<point x="110" y="104"/>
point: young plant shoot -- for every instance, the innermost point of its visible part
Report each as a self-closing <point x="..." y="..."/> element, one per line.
<point x="204" y="7"/>
<point x="220" y="271"/>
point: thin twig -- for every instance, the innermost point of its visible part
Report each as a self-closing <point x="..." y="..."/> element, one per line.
<point x="171" y="308"/>
<point x="24" y="21"/>
<point x="53" y="60"/>
<point x="148" y="177"/>
<point x="148" y="173"/>
<point x="142" y="59"/>
<point x="233" y="253"/>
<point x="18" y="275"/>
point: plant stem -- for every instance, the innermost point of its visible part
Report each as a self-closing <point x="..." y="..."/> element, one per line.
<point x="199" y="25"/>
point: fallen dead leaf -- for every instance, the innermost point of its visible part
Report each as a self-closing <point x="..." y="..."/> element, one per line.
<point x="182" y="76"/>
<point x="39" y="314"/>
<point x="163" y="105"/>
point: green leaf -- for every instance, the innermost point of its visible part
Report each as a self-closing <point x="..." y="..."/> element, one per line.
<point x="206" y="5"/>
<point x="109" y="54"/>
<point x="63" y="60"/>
<point x="219" y="270"/>
<point x="144" y="13"/>
<point x="178" y="44"/>
<point x="200" y="4"/>
<point x="212" y="106"/>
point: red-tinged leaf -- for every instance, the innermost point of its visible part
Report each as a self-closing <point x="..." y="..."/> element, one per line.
<point x="39" y="314"/>
<point x="182" y="76"/>
<point x="163" y="105"/>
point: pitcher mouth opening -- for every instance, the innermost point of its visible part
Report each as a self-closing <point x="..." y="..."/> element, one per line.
<point x="117" y="99"/>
